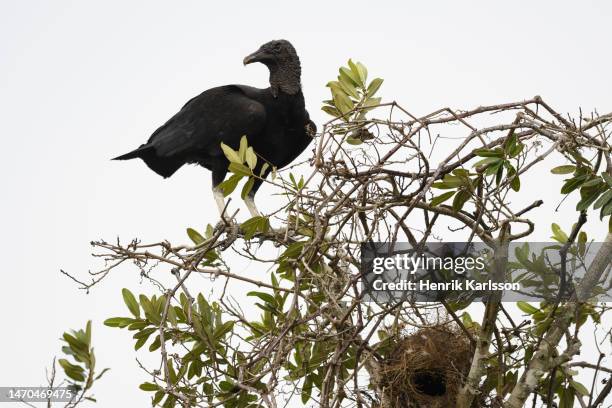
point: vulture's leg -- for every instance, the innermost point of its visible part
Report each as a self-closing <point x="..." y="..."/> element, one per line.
<point x="219" y="199"/>
<point x="249" y="200"/>
<point x="250" y="203"/>
<point x="219" y="170"/>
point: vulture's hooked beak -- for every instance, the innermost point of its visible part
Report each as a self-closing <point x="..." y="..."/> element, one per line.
<point x="257" y="56"/>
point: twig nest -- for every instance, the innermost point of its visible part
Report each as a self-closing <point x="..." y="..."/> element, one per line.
<point x="427" y="368"/>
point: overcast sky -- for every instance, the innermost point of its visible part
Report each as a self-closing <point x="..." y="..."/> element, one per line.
<point x="83" y="81"/>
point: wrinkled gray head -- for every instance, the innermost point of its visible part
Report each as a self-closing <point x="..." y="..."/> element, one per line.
<point x="284" y="65"/>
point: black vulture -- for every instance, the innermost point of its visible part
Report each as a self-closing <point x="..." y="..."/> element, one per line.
<point x="274" y="120"/>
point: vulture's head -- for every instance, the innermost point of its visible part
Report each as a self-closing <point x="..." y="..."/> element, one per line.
<point x="282" y="61"/>
<point x="277" y="52"/>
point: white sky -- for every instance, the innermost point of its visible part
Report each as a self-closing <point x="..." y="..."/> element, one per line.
<point x="83" y="81"/>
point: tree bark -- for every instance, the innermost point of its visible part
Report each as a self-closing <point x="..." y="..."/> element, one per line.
<point x="541" y="361"/>
<point x="477" y="370"/>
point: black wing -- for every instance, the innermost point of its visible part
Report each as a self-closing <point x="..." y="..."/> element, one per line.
<point x="217" y="115"/>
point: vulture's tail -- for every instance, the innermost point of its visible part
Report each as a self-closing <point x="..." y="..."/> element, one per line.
<point x="164" y="166"/>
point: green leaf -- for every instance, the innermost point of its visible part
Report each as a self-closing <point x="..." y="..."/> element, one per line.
<point x="138" y="325"/>
<point x="307" y="389"/>
<point x="572" y="184"/>
<point x="558" y="234"/>
<point x="230" y="153"/>
<point x="249" y="227"/>
<point x="253" y="225"/>
<point x="370" y="103"/>
<point x="515" y="184"/>
<point x="293" y="250"/>
<point x="120" y="322"/>
<point x="467" y="319"/>
<point x="607" y="178"/>
<point x="348" y="75"/>
<point x="172" y="314"/>
<point x="88" y="332"/>
<point x="497" y="152"/>
<point x="578" y="157"/>
<point x="159" y="395"/>
<point x="264" y="168"/>
<point x="226" y="386"/>
<point x="223" y="329"/>
<point x="131" y="302"/>
<point x="140" y="343"/>
<point x="454" y="181"/>
<point x="101" y="374"/>
<point x="442" y="198"/>
<point x="266" y="297"/>
<point x="251" y="158"/>
<point x="342" y="102"/>
<point x="499" y="174"/>
<point x="494" y="168"/>
<point x="346" y="86"/>
<point x="68" y="365"/>
<point x="526" y="307"/>
<point x="170" y="402"/>
<point x="461" y="173"/>
<point x="374" y="86"/>
<point x="605" y="210"/>
<point x="353" y="141"/>
<point x="79" y="348"/>
<point x="459" y="179"/>
<point x="587" y="201"/>
<point x="442" y="185"/>
<point x="603" y="200"/>
<point x="248" y="186"/>
<point x="156" y="344"/>
<point x="566" y="398"/>
<point x="147" y="386"/>
<point x="582" y="240"/>
<point x="243" y="148"/>
<point x="579" y="388"/>
<point x="195" y="236"/>
<point x="209" y="231"/>
<point x="240" y="169"/>
<point x="487" y="161"/>
<point x="330" y="110"/>
<point x="595" y="181"/>
<point x="75" y="375"/>
<point x="146" y="304"/>
<point x="145" y="333"/>
<point x="516" y="150"/>
<point x="336" y="87"/>
<point x="357" y="73"/>
<point x="510" y="142"/>
<point x="73" y="371"/>
<point x="229" y="185"/>
<point x="566" y="169"/>
<point x="460" y="199"/>
<point x="363" y="72"/>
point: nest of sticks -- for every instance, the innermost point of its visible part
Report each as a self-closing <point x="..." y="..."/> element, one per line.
<point x="427" y="368"/>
